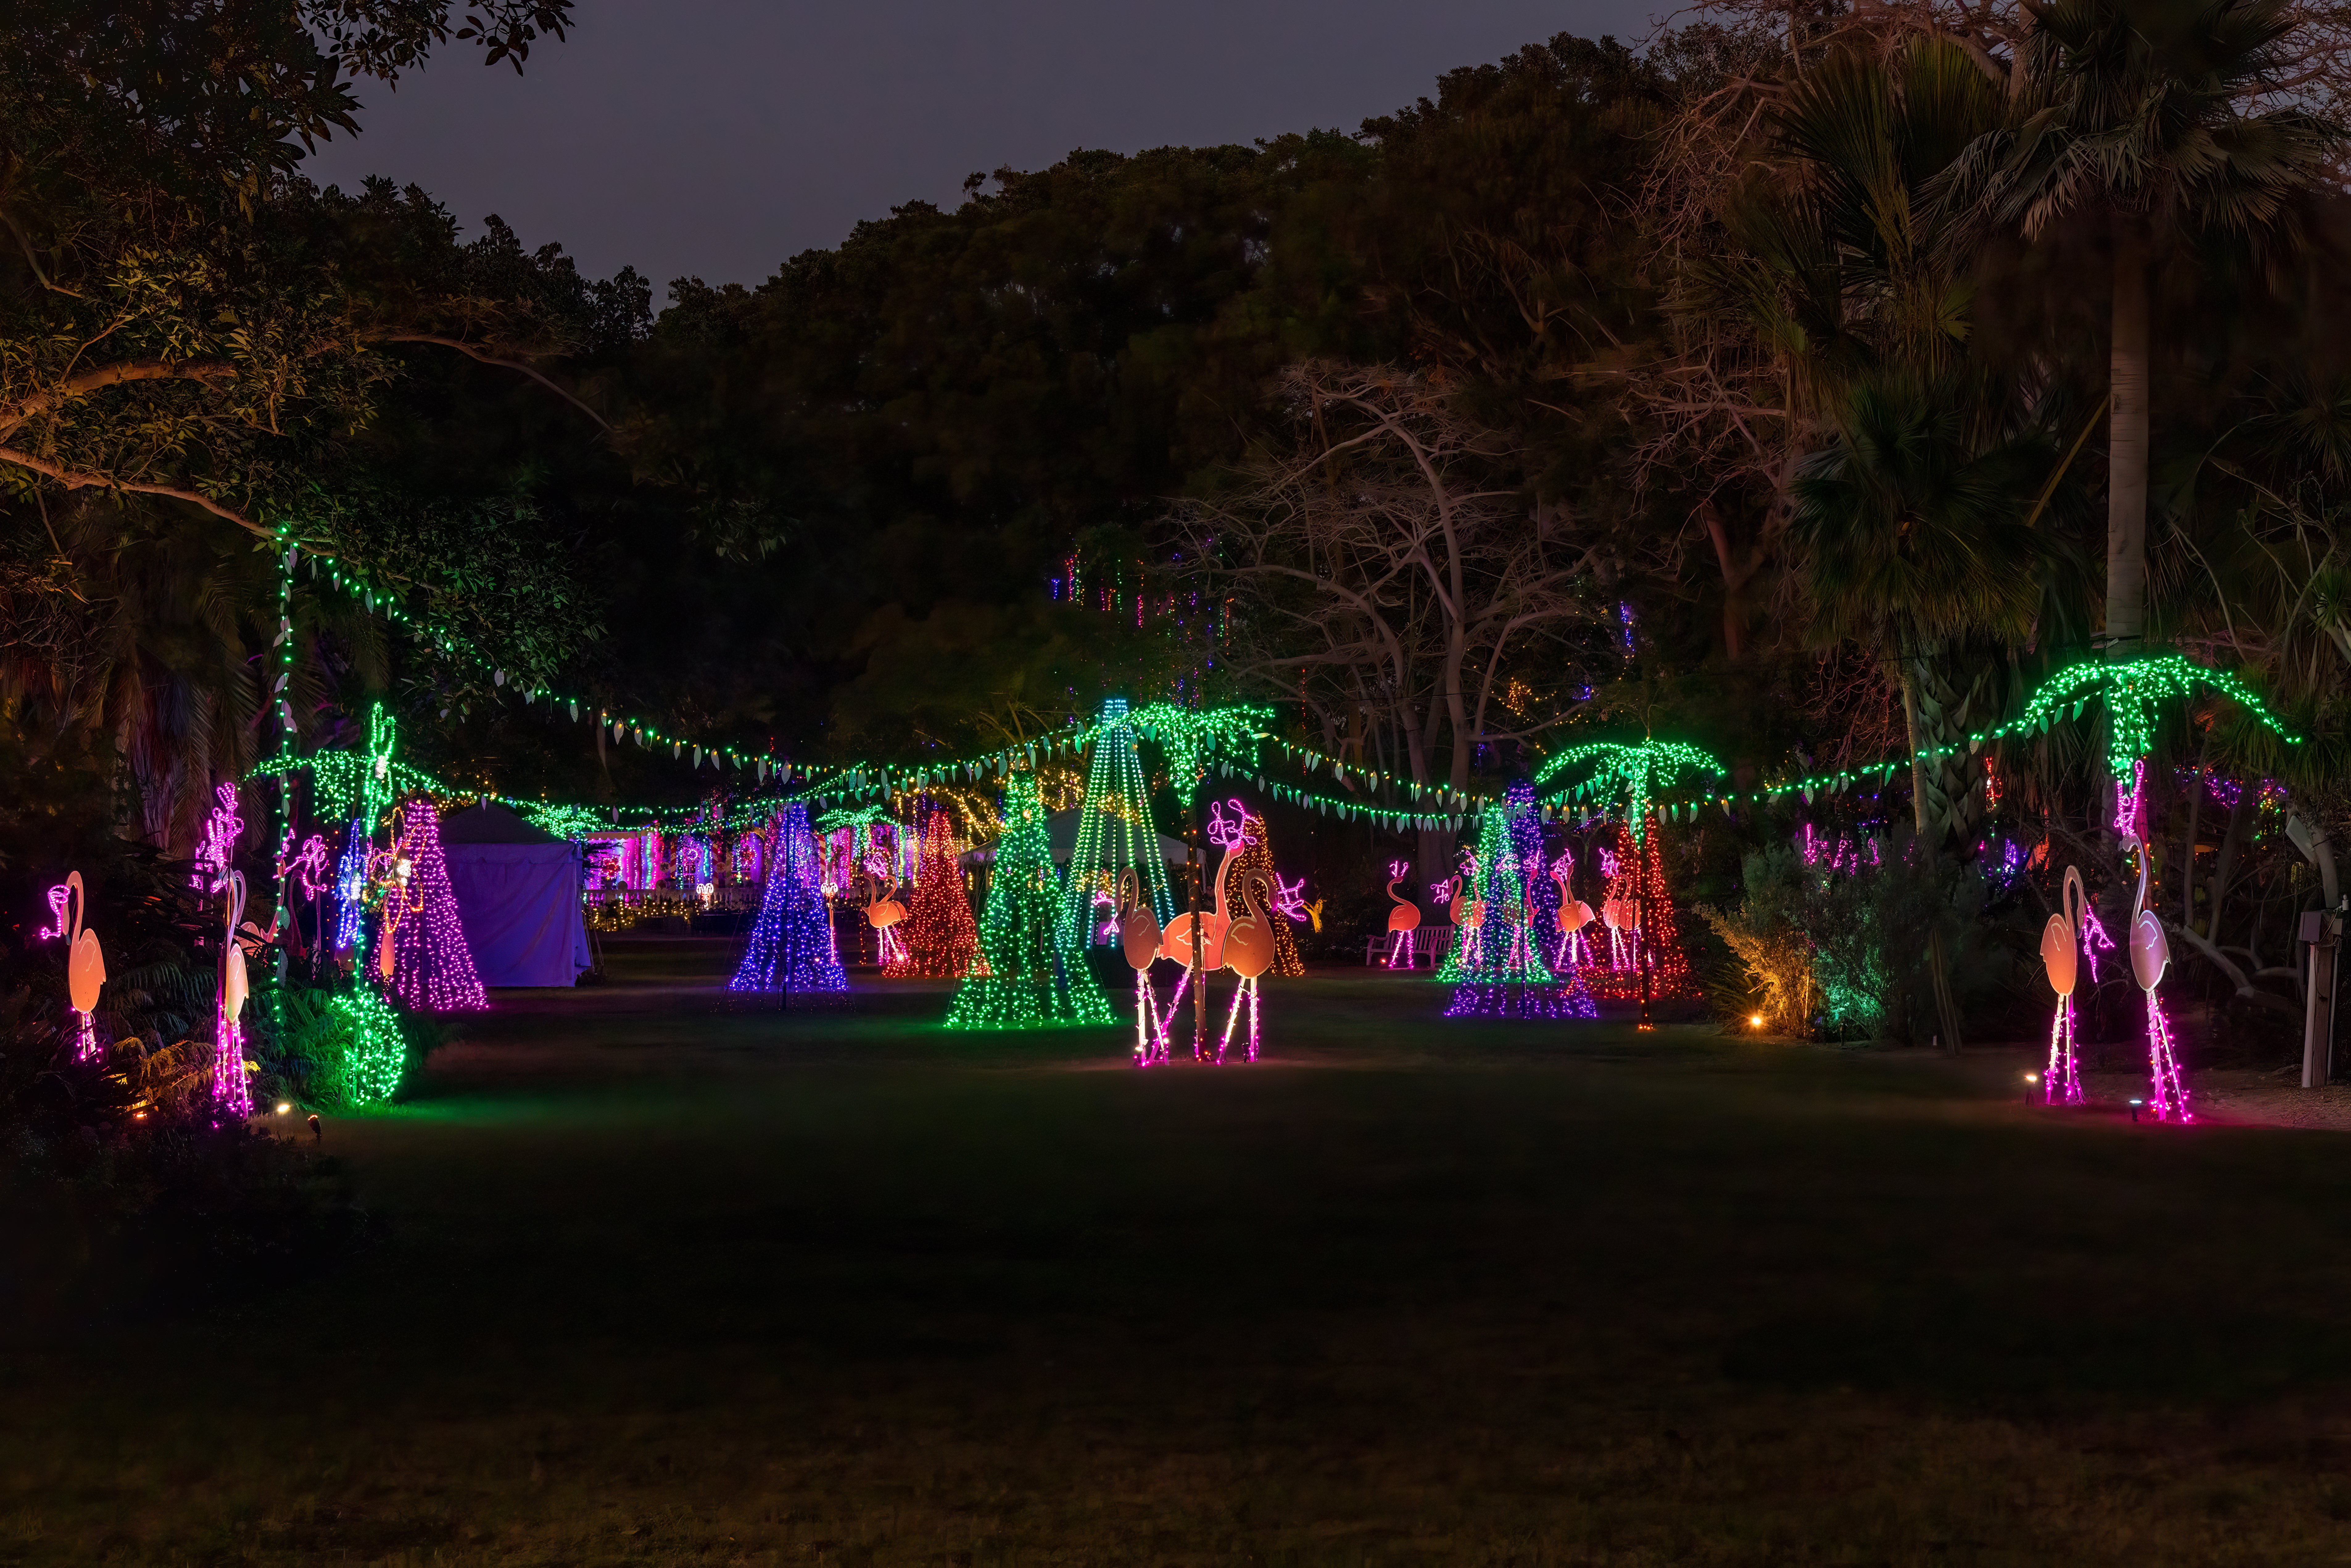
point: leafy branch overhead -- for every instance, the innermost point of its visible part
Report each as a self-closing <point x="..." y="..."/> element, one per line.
<point x="181" y="315"/>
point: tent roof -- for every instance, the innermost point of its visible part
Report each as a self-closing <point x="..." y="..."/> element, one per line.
<point x="490" y="823"/>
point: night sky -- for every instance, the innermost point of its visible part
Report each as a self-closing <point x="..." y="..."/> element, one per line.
<point x="715" y="138"/>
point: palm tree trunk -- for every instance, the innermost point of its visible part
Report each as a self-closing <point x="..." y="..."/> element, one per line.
<point x="1946" y="1011"/>
<point x="2126" y="454"/>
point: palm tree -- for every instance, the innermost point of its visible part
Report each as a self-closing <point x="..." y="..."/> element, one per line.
<point x="1918" y="529"/>
<point x="2144" y="119"/>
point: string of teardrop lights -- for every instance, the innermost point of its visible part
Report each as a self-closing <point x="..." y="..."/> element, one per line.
<point x="1197" y="739"/>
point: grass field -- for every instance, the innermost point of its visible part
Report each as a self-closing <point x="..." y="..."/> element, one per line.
<point x="671" y="1283"/>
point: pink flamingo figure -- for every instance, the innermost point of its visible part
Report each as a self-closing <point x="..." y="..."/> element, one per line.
<point x="2062" y="940"/>
<point x="85" y="963"/>
<point x="1469" y="910"/>
<point x="229" y="1085"/>
<point x="1402" y="920"/>
<point x="1226" y="835"/>
<point x="1575" y="914"/>
<point x="885" y="914"/>
<point x="2150" y="954"/>
<point x="1139" y="940"/>
<point x="1249" y="953"/>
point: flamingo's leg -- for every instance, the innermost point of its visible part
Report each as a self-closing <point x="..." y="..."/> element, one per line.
<point x="1167" y="1024"/>
<point x="1253" y="1006"/>
<point x="1231" y="1019"/>
<point x="1143" y="1016"/>
<point x="2163" y="1062"/>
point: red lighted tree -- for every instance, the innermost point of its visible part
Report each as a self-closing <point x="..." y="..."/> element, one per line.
<point x="1639" y="936"/>
<point x="940" y="939"/>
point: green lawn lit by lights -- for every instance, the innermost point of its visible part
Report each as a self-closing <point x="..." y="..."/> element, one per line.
<point x="672" y="1280"/>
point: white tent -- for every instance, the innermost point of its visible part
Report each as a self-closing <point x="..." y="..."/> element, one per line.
<point x="519" y="896"/>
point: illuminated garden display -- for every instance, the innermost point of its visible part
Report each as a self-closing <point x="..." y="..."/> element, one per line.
<point x="1031" y="980"/>
<point x="791" y="946"/>
<point x="1645" y="962"/>
<point x="1502" y="973"/>
<point x="2132" y="691"/>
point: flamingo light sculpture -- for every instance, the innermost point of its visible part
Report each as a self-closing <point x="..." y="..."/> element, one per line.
<point x="2060" y="956"/>
<point x="1249" y="953"/>
<point x="1138" y="938"/>
<point x="885" y="914"/>
<point x="85" y="963"/>
<point x="1469" y="911"/>
<point x="1402" y="920"/>
<point x="1575" y="914"/>
<point x="229" y="1086"/>
<point x="1226" y="835"/>
<point x="2150" y="954"/>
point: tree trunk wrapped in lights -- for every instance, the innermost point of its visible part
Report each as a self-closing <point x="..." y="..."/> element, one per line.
<point x="941" y="940"/>
<point x="1033" y="980"/>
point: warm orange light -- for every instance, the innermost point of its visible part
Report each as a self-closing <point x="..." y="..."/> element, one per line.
<point x="1754" y="1020"/>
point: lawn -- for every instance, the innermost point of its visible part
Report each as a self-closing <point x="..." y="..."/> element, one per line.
<point x="670" y="1281"/>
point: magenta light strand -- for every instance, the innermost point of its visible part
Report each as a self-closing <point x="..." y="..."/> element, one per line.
<point x="2168" y="1095"/>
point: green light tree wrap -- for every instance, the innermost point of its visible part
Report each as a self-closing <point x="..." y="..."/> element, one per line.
<point x="1636" y="770"/>
<point x="2132" y="689"/>
<point x="1115" y="834"/>
<point x="1034" y="979"/>
<point x="1190" y="737"/>
<point x="1496" y="958"/>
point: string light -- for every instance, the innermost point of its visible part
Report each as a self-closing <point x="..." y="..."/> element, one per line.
<point x="791" y="945"/>
<point x="432" y="969"/>
<point x="1032" y="980"/>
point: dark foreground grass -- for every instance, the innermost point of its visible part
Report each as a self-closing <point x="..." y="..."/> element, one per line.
<point x="673" y="1284"/>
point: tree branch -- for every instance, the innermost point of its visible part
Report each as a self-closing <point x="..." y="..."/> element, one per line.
<point x="92" y="380"/>
<point x="473" y="352"/>
<point x="72" y="480"/>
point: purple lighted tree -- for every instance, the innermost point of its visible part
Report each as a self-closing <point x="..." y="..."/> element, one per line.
<point x="791" y="943"/>
<point x="432" y="971"/>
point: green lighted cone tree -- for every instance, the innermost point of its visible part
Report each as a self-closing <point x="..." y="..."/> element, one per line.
<point x="1115" y="833"/>
<point x="1034" y="979"/>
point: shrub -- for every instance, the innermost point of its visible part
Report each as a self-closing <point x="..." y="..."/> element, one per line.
<point x="1842" y="952"/>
